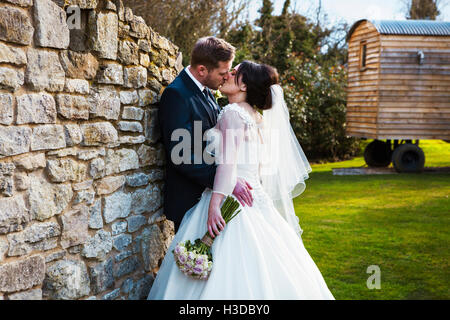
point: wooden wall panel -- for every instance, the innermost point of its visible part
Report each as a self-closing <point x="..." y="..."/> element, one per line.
<point x="395" y="96"/>
<point x="362" y="86"/>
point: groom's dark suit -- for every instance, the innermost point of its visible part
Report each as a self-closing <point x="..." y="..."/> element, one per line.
<point x="181" y="104"/>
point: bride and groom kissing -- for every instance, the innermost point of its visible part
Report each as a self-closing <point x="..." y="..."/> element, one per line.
<point x="260" y="254"/>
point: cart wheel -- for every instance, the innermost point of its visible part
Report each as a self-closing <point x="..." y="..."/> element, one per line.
<point x="378" y="154"/>
<point x="408" y="158"/>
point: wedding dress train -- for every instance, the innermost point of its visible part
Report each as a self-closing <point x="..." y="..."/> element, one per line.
<point x="258" y="255"/>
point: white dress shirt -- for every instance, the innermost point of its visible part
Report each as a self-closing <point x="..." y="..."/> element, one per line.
<point x="199" y="85"/>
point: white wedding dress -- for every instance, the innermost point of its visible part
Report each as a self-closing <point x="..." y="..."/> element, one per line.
<point x="258" y="255"/>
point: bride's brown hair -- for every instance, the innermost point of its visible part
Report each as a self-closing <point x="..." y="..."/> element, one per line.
<point x="258" y="78"/>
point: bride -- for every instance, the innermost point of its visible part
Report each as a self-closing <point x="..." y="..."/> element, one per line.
<point x="259" y="254"/>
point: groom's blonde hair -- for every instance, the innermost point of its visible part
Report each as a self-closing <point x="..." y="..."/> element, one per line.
<point x="208" y="51"/>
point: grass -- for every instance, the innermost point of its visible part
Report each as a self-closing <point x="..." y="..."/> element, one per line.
<point x="399" y="222"/>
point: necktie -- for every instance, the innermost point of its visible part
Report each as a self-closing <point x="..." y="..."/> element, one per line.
<point x="205" y="92"/>
<point x="212" y="104"/>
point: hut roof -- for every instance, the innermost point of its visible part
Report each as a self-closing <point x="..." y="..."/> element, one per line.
<point x="407" y="27"/>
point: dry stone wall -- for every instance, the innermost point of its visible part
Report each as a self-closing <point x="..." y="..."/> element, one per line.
<point x="81" y="162"/>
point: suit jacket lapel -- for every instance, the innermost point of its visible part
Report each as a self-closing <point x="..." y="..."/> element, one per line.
<point x="212" y="101"/>
<point x="206" y="105"/>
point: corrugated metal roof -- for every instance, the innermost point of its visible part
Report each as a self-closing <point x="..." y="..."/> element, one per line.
<point x="408" y="27"/>
<point x="413" y="27"/>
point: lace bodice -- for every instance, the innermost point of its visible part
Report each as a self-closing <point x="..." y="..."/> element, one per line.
<point x="241" y="151"/>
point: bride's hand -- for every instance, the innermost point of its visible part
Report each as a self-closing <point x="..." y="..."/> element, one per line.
<point x="215" y="221"/>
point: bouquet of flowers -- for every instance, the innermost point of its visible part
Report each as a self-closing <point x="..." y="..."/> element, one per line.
<point x="195" y="259"/>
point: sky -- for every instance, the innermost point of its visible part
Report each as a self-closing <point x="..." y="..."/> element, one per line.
<point x="349" y="11"/>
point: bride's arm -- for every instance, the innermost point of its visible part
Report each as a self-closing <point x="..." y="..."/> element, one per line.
<point x="232" y="128"/>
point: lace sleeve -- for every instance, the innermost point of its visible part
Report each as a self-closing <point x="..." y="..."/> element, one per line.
<point x="231" y="126"/>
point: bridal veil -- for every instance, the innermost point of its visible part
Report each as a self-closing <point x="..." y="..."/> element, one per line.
<point x="285" y="167"/>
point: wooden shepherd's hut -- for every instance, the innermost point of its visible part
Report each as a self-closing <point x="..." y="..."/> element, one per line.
<point x="398" y="88"/>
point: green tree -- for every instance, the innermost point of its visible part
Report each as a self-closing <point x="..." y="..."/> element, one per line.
<point x="184" y="22"/>
<point x="313" y="81"/>
<point x="423" y="10"/>
<point x="316" y="98"/>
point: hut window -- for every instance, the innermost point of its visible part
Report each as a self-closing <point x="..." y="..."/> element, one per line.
<point x="362" y="54"/>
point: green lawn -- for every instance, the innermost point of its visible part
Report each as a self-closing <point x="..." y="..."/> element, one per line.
<point x="399" y="222"/>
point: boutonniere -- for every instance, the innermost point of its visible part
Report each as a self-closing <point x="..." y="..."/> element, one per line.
<point x="217" y="94"/>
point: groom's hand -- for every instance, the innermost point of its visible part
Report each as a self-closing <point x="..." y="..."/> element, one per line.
<point x="242" y="192"/>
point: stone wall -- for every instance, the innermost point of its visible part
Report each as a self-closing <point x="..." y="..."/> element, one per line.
<point x="81" y="163"/>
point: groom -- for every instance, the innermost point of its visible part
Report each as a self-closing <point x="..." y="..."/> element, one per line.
<point x="187" y="99"/>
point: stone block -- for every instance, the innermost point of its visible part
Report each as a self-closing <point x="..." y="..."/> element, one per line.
<point x="11" y="79"/>
<point x="135" y="77"/>
<point x="22" y="275"/>
<point x="117" y="205"/>
<point x="30" y="162"/>
<point x="118" y="227"/>
<point x="130" y="126"/>
<point x="79" y="65"/>
<point x="44" y="71"/>
<point x="36" y="108"/>
<point x="120" y="160"/>
<point x="21" y="181"/>
<point x="75" y="227"/>
<point x="6" y="108"/>
<point x="83" y="4"/>
<point x="142" y="288"/>
<point x="22" y="3"/>
<point x="33" y="237"/>
<point x="66" y="280"/>
<point x="51" y="26"/>
<point x="46" y="199"/>
<point x="101" y="276"/>
<point x="14" y="140"/>
<point x="137" y="179"/>
<point x="146" y="200"/>
<point x="129" y="97"/>
<point x="48" y="136"/>
<point x="95" y="216"/>
<point x="109" y="184"/>
<point x="97" y="168"/>
<point x="98" y="246"/>
<point x="89" y="154"/>
<point x="110" y="73"/>
<point x="131" y="139"/>
<point x="147" y="97"/>
<point x="126" y="267"/>
<point x="72" y="107"/>
<point x="73" y="134"/>
<point x="139" y="28"/>
<point x="121" y="241"/>
<point x="112" y="295"/>
<point x="35" y="294"/>
<point x="12" y="55"/>
<point x="104" y="29"/>
<point x="98" y="133"/>
<point x="128" y="52"/>
<point x="15" y="26"/>
<point x="13" y="214"/>
<point x="104" y="102"/>
<point x="76" y="86"/>
<point x="135" y="223"/>
<point x="132" y="113"/>
<point x="62" y="170"/>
